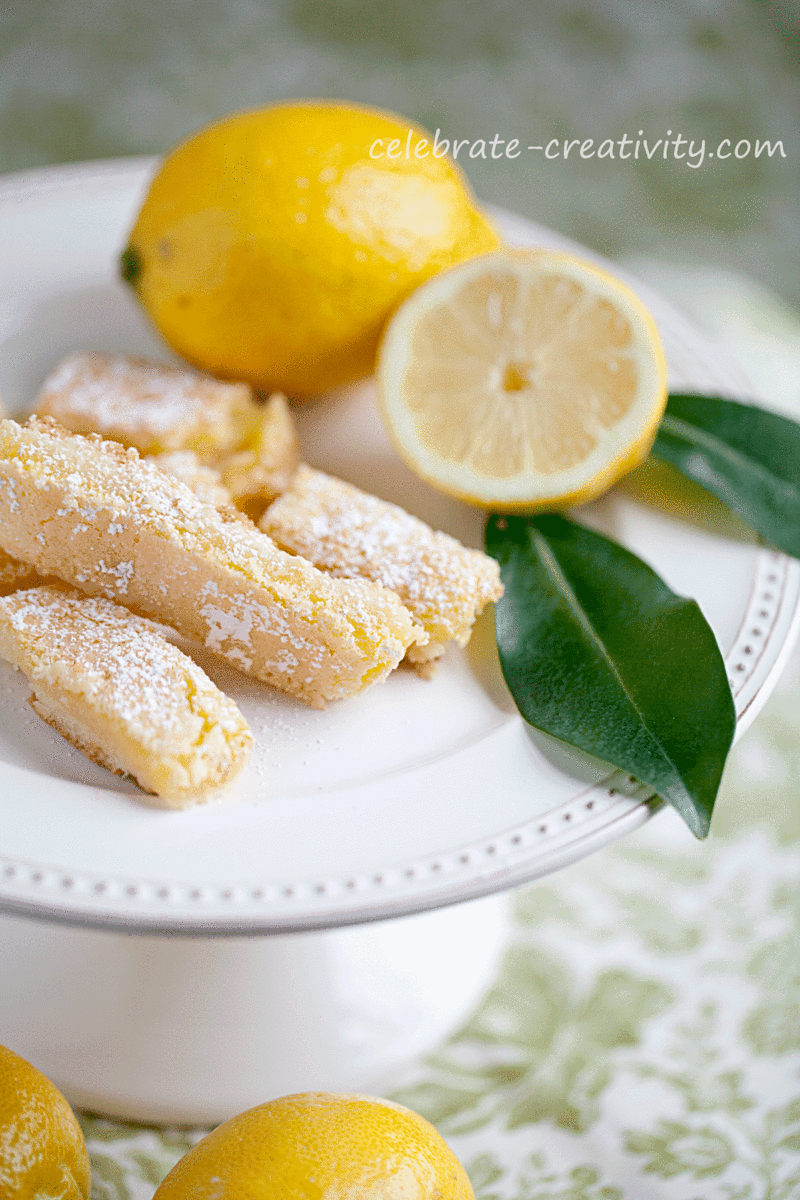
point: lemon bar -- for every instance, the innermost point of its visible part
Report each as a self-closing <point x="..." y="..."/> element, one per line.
<point x="150" y="405"/>
<point x="115" y="688"/>
<point x="261" y="468"/>
<point x="204" y="481"/>
<point x="352" y="534"/>
<point x="98" y="516"/>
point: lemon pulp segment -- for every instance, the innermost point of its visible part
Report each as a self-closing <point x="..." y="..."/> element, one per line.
<point x="522" y="379"/>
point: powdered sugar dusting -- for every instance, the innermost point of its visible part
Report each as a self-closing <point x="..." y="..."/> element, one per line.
<point x="142" y="403"/>
<point x="275" y="615"/>
<point x="355" y="535"/>
<point x="118" y="663"/>
<point x="205" y="481"/>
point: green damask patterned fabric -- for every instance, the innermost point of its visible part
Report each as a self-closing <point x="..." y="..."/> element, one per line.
<point x="642" y="1038"/>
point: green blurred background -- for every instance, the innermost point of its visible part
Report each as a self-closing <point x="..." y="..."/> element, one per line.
<point x="84" y="79"/>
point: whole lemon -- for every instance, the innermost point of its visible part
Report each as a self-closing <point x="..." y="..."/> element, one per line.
<point x="42" y="1152"/>
<point x="274" y="245"/>
<point x="320" y="1146"/>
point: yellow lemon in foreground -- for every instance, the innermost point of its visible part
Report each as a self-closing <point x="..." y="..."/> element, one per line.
<point x="522" y="380"/>
<point x="320" y="1146"/>
<point x="42" y="1152"/>
<point x="273" y="245"/>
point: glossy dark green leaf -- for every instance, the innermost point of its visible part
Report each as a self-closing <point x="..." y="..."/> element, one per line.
<point x="748" y="458"/>
<point x="596" y="650"/>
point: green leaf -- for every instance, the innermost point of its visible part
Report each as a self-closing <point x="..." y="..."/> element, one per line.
<point x="597" y="651"/>
<point x="746" y="457"/>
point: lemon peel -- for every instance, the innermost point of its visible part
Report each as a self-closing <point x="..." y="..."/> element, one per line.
<point x="42" y="1149"/>
<point x="320" y="1146"/>
<point x="272" y="247"/>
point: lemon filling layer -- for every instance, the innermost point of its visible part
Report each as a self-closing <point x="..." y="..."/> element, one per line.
<point x="97" y="516"/>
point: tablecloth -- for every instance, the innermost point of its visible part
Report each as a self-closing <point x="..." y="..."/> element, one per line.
<point x="641" y="1040"/>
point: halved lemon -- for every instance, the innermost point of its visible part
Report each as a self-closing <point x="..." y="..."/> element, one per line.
<point x="523" y="379"/>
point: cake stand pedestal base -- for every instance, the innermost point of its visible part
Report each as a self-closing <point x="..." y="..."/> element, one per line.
<point x="192" y="1030"/>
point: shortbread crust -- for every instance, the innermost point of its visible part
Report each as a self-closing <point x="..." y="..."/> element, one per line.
<point x="99" y="517"/>
<point x="115" y="688"/>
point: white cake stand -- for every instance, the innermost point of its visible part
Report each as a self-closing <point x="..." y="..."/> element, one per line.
<point x="397" y="804"/>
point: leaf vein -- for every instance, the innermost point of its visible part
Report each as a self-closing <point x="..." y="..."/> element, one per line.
<point x="550" y="562"/>
<point x="693" y="435"/>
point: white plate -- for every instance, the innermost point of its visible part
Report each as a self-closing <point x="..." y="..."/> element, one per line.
<point x="414" y="795"/>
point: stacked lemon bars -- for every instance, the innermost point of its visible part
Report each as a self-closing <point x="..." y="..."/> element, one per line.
<point x="130" y="497"/>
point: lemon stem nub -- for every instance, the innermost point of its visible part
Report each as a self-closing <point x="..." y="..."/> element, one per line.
<point x="130" y="265"/>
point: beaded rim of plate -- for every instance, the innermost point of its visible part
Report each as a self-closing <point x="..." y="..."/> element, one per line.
<point x="596" y="816"/>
